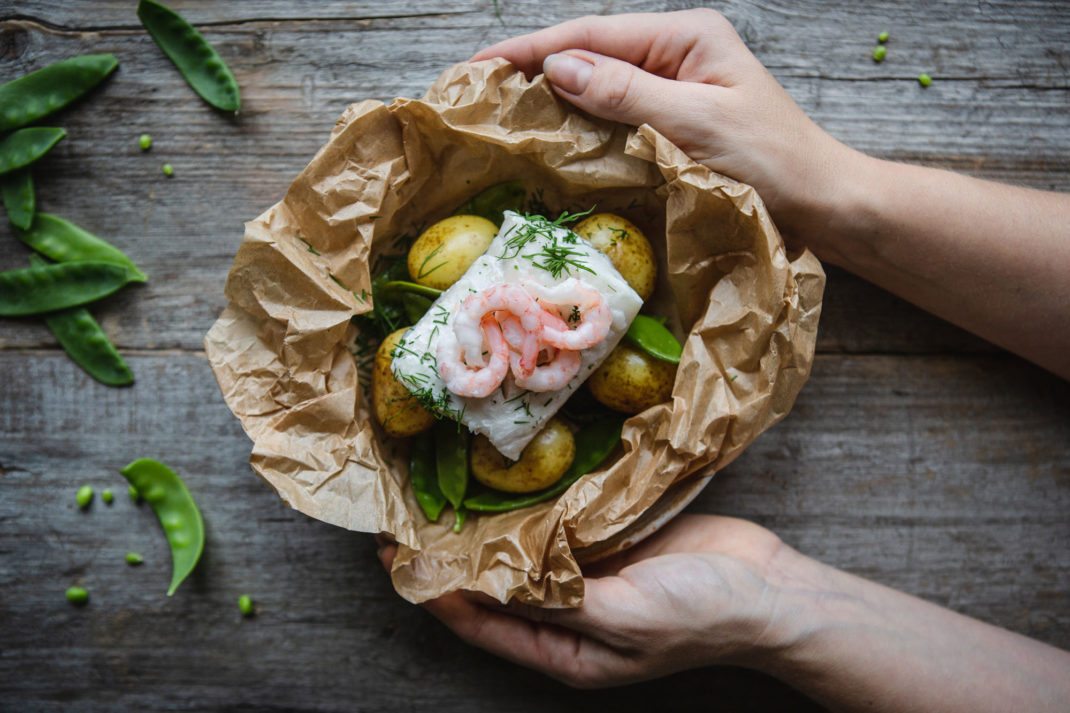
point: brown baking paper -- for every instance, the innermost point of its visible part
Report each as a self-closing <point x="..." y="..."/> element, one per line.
<point x="281" y="350"/>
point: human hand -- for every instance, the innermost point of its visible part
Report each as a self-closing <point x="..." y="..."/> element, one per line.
<point x="689" y="75"/>
<point x="699" y="592"/>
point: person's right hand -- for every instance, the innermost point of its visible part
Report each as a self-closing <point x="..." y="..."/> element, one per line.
<point x="689" y="75"/>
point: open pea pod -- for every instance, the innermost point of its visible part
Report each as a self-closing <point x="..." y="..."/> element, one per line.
<point x="23" y="147"/>
<point x="491" y="203"/>
<point x="16" y="190"/>
<point x="169" y="498"/>
<point x="594" y="442"/>
<point x="64" y="241"/>
<point x="34" y="290"/>
<point x="650" y="335"/>
<point x="423" y="475"/>
<point x="38" y="94"/>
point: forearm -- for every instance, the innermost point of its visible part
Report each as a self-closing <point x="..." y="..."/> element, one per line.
<point x="858" y="646"/>
<point x="992" y="258"/>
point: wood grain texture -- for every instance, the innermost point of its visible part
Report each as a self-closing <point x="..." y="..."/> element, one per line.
<point x="917" y="455"/>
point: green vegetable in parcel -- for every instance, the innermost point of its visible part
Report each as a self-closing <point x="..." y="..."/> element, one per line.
<point x="33" y="290"/>
<point x="23" y="147"/>
<point x="77" y="595"/>
<point x="169" y="498"/>
<point x="87" y="344"/>
<point x="145" y="142"/>
<point x="415" y="306"/>
<point x="64" y="241"/>
<point x="594" y="443"/>
<point x="84" y="496"/>
<point x="423" y="476"/>
<point x="16" y="189"/>
<point x="245" y="605"/>
<point x="107" y="496"/>
<point x="451" y="460"/>
<point x="459" y="516"/>
<point x="197" y="60"/>
<point x="491" y="203"/>
<point x="133" y="559"/>
<point x="650" y="335"/>
<point x="51" y="88"/>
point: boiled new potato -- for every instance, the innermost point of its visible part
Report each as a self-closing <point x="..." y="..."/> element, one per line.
<point x="447" y="249"/>
<point x="541" y="464"/>
<point x="626" y="246"/>
<point x="630" y="380"/>
<point x="396" y="410"/>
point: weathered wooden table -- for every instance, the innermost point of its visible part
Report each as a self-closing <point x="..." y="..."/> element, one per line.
<point x="917" y="455"/>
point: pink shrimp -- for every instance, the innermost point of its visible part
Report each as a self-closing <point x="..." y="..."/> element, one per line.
<point x="592" y="312"/>
<point x="482" y="380"/>
<point x="525" y="344"/>
<point x="513" y="299"/>
<point x="553" y="375"/>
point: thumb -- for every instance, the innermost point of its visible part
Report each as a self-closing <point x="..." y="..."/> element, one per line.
<point x="616" y="90"/>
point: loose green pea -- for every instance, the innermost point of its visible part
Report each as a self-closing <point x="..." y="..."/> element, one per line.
<point x="133" y="558"/>
<point x="167" y="170"/>
<point x="165" y="492"/>
<point x="106" y="496"/>
<point x="924" y="79"/>
<point x="84" y="496"/>
<point x="878" y="53"/>
<point x="23" y="147"/>
<point x="16" y="188"/>
<point x="134" y="494"/>
<point x="40" y="93"/>
<point x="145" y="142"/>
<point x="245" y="605"/>
<point x="197" y="60"/>
<point x="882" y="37"/>
<point x="77" y="595"/>
<point x="33" y="290"/>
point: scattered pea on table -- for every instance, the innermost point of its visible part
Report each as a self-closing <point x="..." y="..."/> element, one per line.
<point x="106" y="496"/>
<point x="878" y="53"/>
<point x="167" y="170"/>
<point x="924" y="79"/>
<point x="145" y="142"/>
<point x="245" y="605"/>
<point x="133" y="558"/>
<point x="77" y="595"/>
<point x="882" y="37"/>
<point x="84" y="496"/>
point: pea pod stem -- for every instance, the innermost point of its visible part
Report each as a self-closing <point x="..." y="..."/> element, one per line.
<point x="51" y="88"/>
<point x="63" y="241"/>
<point x="16" y="189"/>
<point x="654" y="338"/>
<point x="182" y="523"/>
<point x="399" y="287"/>
<point x="594" y="442"/>
<point x="195" y="58"/>
<point x="23" y="147"/>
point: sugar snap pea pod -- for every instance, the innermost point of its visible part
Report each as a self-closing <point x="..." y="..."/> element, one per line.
<point x="415" y="307"/>
<point x="451" y="460"/>
<point x="16" y="188"/>
<point x="33" y="290"/>
<point x="40" y="93"/>
<point x="459" y="516"/>
<point x="652" y="337"/>
<point x="594" y="442"/>
<point x="86" y="343"/>
<point x="492" y="202"/>
<point x="23" y="147"/>
<point x="197" y="60"/>
<point x="168" y="497"/>
<point x="64" y="241"/>
<point x="423" y="475"/>
<point x="395" y="288"/>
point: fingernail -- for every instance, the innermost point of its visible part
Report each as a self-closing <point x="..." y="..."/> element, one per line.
<point x="567" y="72"/>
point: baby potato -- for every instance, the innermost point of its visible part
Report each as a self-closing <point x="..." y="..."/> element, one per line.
<point x="396" y="410"/>
<point x="631" y="380"/>
<point x="541" y="464"/>
<point x="448" y="248"/>
<point x="626" y="246"/>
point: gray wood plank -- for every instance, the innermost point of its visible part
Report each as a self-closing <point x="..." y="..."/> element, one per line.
<point x="945" y="477"/>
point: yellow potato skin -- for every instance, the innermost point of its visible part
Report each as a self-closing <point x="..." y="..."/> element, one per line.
<point x="541" y="464"/>
<point x="448" y="248"/>
<point x="626" y="246"/>
<point x="630" y="380"/>
<point x="396" y="410"/>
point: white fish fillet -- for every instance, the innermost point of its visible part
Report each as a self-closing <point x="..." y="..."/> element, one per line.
<point x="510" y="417"/>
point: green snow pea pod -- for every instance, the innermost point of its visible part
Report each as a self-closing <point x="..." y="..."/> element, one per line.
<point x="424" y="477"/>
<point x="491" y="203"/>
<point x="40" y="93"/>
<point x="64" y="241"/>
<point x="87" y="344"/>
<point x="23" y="147"/>
<point x="415" y="307"/>
<point x="33" y="290"/>
<point x="16" y="188"/>
<point x="197" y="60"/>
<point x="459" y="516"/>
<point x="652" y="337"/>
<point x="168" y="497"/>
<point x="451" y="460"/>
<point x="594" y="442"/>
<point x="401" y="287"/>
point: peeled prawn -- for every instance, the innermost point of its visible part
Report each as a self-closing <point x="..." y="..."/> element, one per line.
<point x="458" y="373"/>
<point x="593" y="314"/>
<point x="552" y="376"/>
<point x="513" y="299"/>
